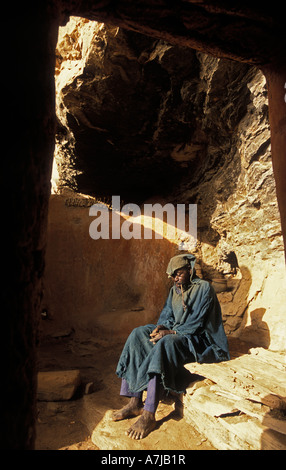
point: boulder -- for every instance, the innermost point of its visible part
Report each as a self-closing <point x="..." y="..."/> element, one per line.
<point x="58" y="385"/>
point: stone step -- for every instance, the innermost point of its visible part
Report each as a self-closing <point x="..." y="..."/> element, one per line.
<point x="58" y="385"/>
<point x="241" y="403"/>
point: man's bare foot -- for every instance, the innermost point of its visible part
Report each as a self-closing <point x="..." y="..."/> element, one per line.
<point x="133" y="408"/>
<point x="143" y="426"/>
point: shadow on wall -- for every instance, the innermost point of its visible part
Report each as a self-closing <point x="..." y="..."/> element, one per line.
<point x="242" y="325"/>
<point x="257" y="325"/>
<point x="91" y="284"/>
<point x="245" y="323"/>
<point x="116" y="284"/>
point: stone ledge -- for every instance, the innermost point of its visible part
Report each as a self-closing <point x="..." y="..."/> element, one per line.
<point x="240" y="404"/>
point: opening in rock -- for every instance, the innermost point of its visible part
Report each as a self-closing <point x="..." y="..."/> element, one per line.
<point x="153" y="122"/>
<point x="158" y="123"/>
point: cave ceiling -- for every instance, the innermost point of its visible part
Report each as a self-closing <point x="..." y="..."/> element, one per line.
<point x="138" y="118"/>
<point x="251" y="32"/>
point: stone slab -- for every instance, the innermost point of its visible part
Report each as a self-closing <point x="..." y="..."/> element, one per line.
<point x="58" y="385"/>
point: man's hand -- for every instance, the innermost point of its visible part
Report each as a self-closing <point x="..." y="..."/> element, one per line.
<point x="158" y="333"/>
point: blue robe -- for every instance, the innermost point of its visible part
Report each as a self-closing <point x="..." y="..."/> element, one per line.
<point x="200" y="337"/>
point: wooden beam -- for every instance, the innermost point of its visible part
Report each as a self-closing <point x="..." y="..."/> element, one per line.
<point x="236" y="32"/>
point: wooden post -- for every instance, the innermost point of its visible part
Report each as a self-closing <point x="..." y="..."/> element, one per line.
<point x="276" y="82"/>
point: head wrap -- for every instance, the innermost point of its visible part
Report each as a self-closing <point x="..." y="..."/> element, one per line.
<point x="180" y="261"/>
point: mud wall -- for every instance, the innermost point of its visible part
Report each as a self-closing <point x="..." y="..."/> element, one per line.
<point x="105" y="285"/>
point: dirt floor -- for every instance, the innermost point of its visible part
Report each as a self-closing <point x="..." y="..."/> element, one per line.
<point x="83" y="423"/>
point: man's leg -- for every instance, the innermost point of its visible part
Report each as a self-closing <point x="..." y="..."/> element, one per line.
<point x="168" y="355"/>
<point x="152" y="399"/>
<point x="136" y="356"/>
<point x="126" y="392"/>
<point x="133" y="408"/>
<point x="132" y="361"/>
<point x="146" y="423"/>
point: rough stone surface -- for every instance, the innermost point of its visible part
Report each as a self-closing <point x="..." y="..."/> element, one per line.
<point x="241" y="403"/>
<point x="121" y="111"/>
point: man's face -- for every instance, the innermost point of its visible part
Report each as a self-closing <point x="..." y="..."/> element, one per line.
<point x="181" y="276"/>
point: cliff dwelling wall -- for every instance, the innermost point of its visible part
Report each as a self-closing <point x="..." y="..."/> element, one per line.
<point x="155" y="122"/>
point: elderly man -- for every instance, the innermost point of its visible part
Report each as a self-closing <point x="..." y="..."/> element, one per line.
<point x="189" y="329"/>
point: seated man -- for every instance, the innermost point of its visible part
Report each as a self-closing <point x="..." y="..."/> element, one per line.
<point x="189" y="329"/>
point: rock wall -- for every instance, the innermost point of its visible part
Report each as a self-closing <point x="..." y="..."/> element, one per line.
<point x="31" y="110"/>
<point x="145" y="119"/>
<point x="120" y="110"/>
<point x="239" y="223"/>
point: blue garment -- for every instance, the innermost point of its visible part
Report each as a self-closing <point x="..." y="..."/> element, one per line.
<point x="200" y="337"/>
